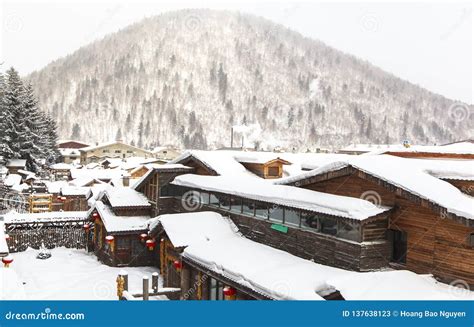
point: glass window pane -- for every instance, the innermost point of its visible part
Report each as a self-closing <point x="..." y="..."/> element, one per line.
<point x="328" y="226"/>
<point x="261" y="210"/>
<point x="248" y="208"/>
<point x="224" y="201"/>
<point x="349" y="230"/>
<point x="292" y="217"/>
<point x="309" y="220"/>
<point x="214" y="201"/>
<point x="204" y="198"/>
<point x="235" y="204"/>
<point x="276" y="214"/>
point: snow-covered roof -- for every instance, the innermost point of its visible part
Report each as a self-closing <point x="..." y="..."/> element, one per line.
<point x="262" y="190"/>
<point x="12" y="179"/>
<point x="55" y="187"/>
<point x="106" y="144"/>
<point x="454" y="148"/>
<point x="96" y="173"/>
<point x="16" y="163"/>
<point x="385" y="285"/>
<point x="408" y="174"/>
<point x="184" y="229"/>
<point x="160" y="168"/>
<point x="115" y="224"/>
<point x="76" y="191"/>
<point x="258" y="157"/>
<point x="125" y="197"/>
<point x="221" y="162"/>
<point x="69" y="152"/>
<point x="61" y="166"/>
<point x="43" y="217"/>
<point x="266" y="270"/>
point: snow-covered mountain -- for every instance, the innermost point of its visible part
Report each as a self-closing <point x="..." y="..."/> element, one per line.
<point x="186" y="77"/>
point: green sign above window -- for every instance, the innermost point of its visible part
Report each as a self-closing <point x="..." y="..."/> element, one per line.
<point x="279" y="228"/>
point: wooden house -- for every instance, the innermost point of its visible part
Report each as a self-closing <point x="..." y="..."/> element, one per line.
<point x="74" y="198"/>
<point x="14" y="165"/>
<point x="332" y="230"/>
<point x="69" y="150"/>
<point x="155" y="186"/>
<point x="119" y="219"/>
<point x="115" y="149"/>
<point x="430" y="230"/>
<point x="264" y="168"/>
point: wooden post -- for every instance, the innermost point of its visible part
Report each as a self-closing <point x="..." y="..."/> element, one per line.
<point x="185" y="280"/>
<point x="146" y="288"/>
<point x="154" y="282"/>
<point x="124" y="274"/>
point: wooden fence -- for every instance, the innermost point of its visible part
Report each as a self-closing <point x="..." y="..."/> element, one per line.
<point x="70" y="234"/>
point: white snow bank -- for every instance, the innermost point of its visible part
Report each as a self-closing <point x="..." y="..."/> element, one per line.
<point x="11" y="287"/>
<point x="71" y="274"/>
<point x="263" y="190"/>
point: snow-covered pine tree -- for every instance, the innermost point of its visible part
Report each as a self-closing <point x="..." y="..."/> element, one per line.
<point x="36" y="127"/>
<point x="12" y="104"/>
<point x="25" y="131"/>
<point x="5" y="125"/>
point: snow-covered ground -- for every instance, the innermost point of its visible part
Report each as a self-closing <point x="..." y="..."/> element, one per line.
<point x="69" y="274"/>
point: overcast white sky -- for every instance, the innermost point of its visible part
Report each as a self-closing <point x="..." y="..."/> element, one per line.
<point x="427" y="43"/>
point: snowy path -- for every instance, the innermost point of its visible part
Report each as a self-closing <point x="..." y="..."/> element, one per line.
<point x="72" y="274"/>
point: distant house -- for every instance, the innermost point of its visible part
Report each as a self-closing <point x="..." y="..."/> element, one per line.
<point x="69" y="150"/>
<point x="14" y="165"/>
<point x="165" y="152"/>
<point x="263" y="167"/>
<point x="110" y="150"/>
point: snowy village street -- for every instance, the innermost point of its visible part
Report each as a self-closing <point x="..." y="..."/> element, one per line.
<point x="69" y="274"/>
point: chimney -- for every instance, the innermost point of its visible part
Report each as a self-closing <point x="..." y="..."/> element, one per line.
<point x="126" y="179"/>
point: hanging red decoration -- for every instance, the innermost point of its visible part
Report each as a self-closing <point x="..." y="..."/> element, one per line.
<point x="229" y="293"/>
<point x="7" y="261"/>
<point x="87" y="227"/>
<point x="143" y="237"/>
<point x="150" y="244"/>
<point x="178" y="265"/>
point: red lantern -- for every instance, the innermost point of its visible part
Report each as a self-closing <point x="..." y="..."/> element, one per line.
<point x="110" y="241"/>
<point x="58" y="198"/>
<point x="178" y="265"/>
<point x="87" y="227"/>
<point x="229" y="293"/>
<point x="7" y="260"/>
<point x="7" y="237"/>
<point x="150" y="244"/>
<point x="63" y="198"/>
<point x="143" y="237"/>
<point x="95" y="216"/>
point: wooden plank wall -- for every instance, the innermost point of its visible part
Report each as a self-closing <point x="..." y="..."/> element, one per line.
<point x="436" y="244"/>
